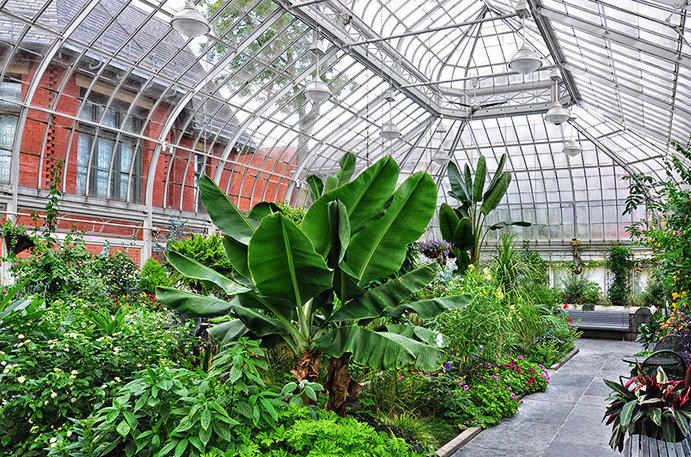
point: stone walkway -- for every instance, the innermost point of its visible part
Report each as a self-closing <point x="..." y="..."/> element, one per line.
<point x="564" y="421"/>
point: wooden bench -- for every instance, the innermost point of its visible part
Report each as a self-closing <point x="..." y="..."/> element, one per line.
<point x="643" y="446"/>
<point x="601" y="320"/>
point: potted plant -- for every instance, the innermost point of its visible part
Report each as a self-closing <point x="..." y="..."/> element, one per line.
<point x="652" y="406"/>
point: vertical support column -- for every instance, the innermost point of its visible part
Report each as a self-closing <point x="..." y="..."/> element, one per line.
<point x="147" y="235"/>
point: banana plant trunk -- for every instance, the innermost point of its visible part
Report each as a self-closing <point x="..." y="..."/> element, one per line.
<point x="341" y="387"/>
<point x="307" y="366"/>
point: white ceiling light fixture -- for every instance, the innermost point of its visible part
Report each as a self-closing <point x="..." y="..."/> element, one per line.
<point x="316" y="90"/>
<point x="572" y="147"/>
<point x="389" y="130"/>
<point x="557" y="114"/>
<point x="190" y="22"/>
<point x="525" y="60"/>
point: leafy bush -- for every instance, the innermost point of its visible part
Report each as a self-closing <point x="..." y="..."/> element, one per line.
<point x="207" y="250"/>
<point x="620" y="262"/>
<point x="580" y="291"/>
<point x="119" y="274"/>
<point x="153" y="275"/>
<point x="57" y="363"/>
<point x="294" y="214"/>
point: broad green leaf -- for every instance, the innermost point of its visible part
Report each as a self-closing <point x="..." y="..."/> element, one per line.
<point x="263" y="209"/>
<point x="421" y="333"/>
<point x="316" y="186"/>
<point x="468" y="181"/>
<point x="682" y="423"/>
<point x="166" y="449"/>
<point x="180" y="448"/>
<point x="252" y="311"/>
<point x="656" y="416"/>
<point x="364" y="198"/>
<point x="463" y="237"/>
<point x="379" y="249"/>
<point x="380" y="350"/>
<point x="229" y="331"/>
<point x="347" y="164"/>
<point x="283" y="262"/>
<point x="123" y="428"/>
<point x="448" y="221"/>
<point x="497" y="175"/>
<point x="339" y="228"/>
<point x="480" y="176"/>
<point x="268" y="407"/>
<point x="223" y="212"/>
<point x="390" y="294"/>
<point x="195" y="270"/>
<point x="431" y="307"/>
<point x="627" y="413"/>
<point x="191" y="304"/>
<point x="331" y="183"/>
<point x="311" y="394"/>
<point x="457" y="183"/>
<point x="496" y="195"/>
<point x="205" y="419"/>
<point x="237" y="255"/>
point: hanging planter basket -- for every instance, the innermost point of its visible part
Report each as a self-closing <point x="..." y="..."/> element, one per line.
<point x="18" y="242"/>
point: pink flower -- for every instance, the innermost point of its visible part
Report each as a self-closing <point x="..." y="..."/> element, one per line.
<point x="520" y="357"/>
<point x="513" y="396"/>
<point x="400" y="376"/>
<point x="495" y="377"/>
<point x="466" y="387"/>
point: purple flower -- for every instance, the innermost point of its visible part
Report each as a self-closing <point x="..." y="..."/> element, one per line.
<point x="509" y="388"/>
<point x="466" y="387"/>
<point x="460" y="383"/>
<point x="447" y="366"/>
<point x="513" y="396"/>
<point x="495" y="377"/>
<point x="520" y="357"/>
<point x="479" y="350"/>
<point x="474" y="357"/>
<point x="400" y="377"/>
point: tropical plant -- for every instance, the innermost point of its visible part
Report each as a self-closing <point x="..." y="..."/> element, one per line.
<point x="153" y="274"/>
<point x="306" y="285"/>
<point x="319" y="187"/>
<point x="509" y="268"/>
<point x="581" y="291"/>
<point x="464" y="226"/>
<point x="650" y="406"/>
<point x="205" y="249"/>
<point x="619" y="263"/>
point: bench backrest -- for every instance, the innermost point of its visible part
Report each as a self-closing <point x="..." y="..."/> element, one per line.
<point x="614" y="317"/>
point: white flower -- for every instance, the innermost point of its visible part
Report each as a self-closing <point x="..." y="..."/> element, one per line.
<point x="69" y="433"/>
<point x="6" y="370"/>
<point x="117" y="379"/>
<point x="20" y="336"/>
<point x="53" y="394"/>
<point x="53" y="439"/>
<point x="74" y="372"/>
<point x="53" y="444"/>
<point x="3" y="363"/>
<point x="73" y="399"/>
<point x="21" y="379"/>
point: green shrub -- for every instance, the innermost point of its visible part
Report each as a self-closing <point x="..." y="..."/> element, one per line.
<point x="580" y="291"/>
<point x="153" y="275"/>
<point x="57" y="363"/>
<point x="207" y="250"/>
<point x="294" y="214"/>
<point x="619" y="263"/>
<point x="118" y="273"/>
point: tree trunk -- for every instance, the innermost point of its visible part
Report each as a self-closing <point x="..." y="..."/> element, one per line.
<point x="307" y="366"/>
<point x="340" y="386"/>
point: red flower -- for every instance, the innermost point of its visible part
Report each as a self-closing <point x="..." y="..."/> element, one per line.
<point x="566" y="305"/>
<point x="569" y="320"/>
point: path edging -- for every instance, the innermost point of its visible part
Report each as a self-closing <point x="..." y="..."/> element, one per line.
<point x="468" y="434"/>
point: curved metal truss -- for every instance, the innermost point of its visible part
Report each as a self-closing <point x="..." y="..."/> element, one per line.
<point x="135" y="112"/>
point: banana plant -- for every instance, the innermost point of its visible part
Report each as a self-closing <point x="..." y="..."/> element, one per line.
<point x="307" y="285"/>
<point x="318" y="187"/>
<point x="465" y="226"/>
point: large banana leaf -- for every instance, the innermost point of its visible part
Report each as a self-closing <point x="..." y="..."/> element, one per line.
<point x="237" y="255"/>
<point x="496" y="194"/>
<point x="364" y="198"/>
<point x="261" y="210"/>
<point x="480" y="176"/>
<point x="431" y="307"/>
<point x="195" y="270"/>
<point x="191" y="304"/>
<point x="316" y="186"/>
<point x="380" y="350"/>
<point x="283" y="262"/>
<point x="249" y="309"/>
<point x="226" y="332"/>
<point x="379" y="249"/>
<point x="457" y="183"/>
<point x="389" y="295"/>
<point x="468" y="181"/>
<point x="463" y="236"/>
<point x="448" y="221"/>
<point x="497" y="175"/>
<point x="223" y="212"/>
<point x="330" y="184"/>
<point x="421" y="333"/>
<point x="347" y="164"/>
<point x="339" y="228"/>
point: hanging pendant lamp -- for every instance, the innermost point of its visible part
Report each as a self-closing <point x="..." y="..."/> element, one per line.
<point x="572" y="147"/>
<point x="190" y="22"/>
<point x="389" y="130"/>
<point x="525" y="60"/>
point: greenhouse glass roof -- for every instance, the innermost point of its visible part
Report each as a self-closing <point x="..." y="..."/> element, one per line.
<point x="437" y="69"/>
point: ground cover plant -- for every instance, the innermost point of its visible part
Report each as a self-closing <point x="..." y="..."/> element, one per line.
<point x="98" y="367"/>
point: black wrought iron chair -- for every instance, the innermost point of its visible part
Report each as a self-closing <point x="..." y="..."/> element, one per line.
<point x="669" y="342"/>
<point x="672" y="362"/>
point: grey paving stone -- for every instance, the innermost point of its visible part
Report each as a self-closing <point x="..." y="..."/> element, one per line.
<point x="564" y="421"/>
